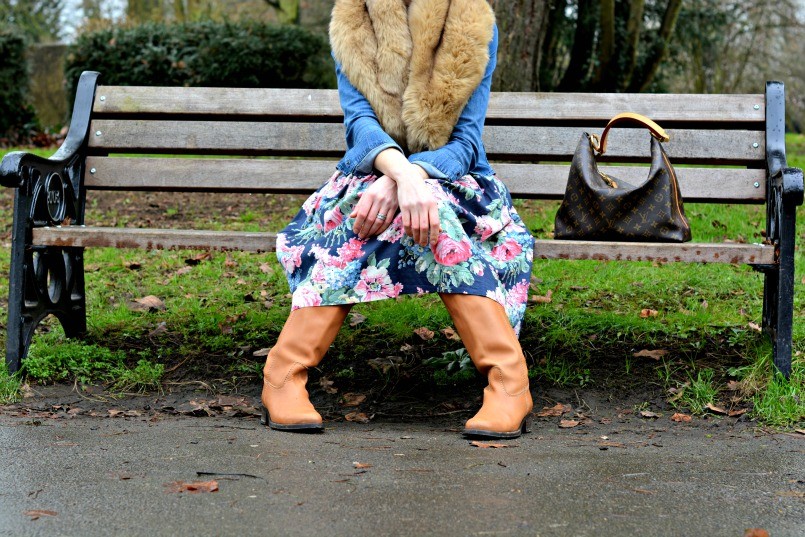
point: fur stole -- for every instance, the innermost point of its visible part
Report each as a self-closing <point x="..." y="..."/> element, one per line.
<point x="417" y="67"/>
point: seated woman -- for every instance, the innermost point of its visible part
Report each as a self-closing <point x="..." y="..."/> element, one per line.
<point x="413" y="208"/>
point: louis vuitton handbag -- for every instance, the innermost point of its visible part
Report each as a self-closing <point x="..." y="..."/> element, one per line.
<point x="599" y="207"/>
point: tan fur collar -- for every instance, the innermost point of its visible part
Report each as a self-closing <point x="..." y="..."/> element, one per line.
<point x="418" y="66"/>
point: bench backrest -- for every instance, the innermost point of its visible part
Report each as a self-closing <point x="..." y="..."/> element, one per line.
<point x="717" y="141"/>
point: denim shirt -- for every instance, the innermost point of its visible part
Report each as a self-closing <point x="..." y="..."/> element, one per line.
<point x="463" y="153"/>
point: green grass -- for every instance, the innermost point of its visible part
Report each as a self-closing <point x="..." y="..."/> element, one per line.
<point x="220" y="309"/>
<point x="9" y="386"/>
<point x="697" y="392"/>
<point x="795" y="150"/>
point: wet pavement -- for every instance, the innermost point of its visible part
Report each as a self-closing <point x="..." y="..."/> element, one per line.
<point x="609" y="476"/>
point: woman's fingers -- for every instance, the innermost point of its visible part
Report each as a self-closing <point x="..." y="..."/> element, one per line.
<point x="380" y="217"/>
<point x="435" y="226"/>
<point x="360" y="213"/>
<point x="424" y="228"/>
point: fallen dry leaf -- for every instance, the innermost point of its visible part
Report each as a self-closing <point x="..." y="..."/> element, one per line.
<point x="645" y="313"/>
<point x="198" y="258"/>
<point x="133" y="265"/>
<point x="654" y="355"/>
<point x="36" y="513"/>
<point x="227" y="325"/>
<point x="361" y="465"/>
<point x="792" y="494"/>
<point x="358" y="417"/>
<point x="424" y="333"/>
<point x="488" y="445"/>
<point x="756" y="327"/>
<point x="542" y="299"/>
<point x="681" y="417"/>
<point x="609" y="444"/>
<point x="114" y="412"/>
<point x="716" y="409"/>
<point x="451" y="334"/>
<point x="160" y="329"/>
<point x="567" y="424"/>
<point x="353" y="399"/>
<point x="733" y="385"/>
<point x="183" y="270"/>
<point x="265" y="268"/>
<point x="193" y="487"/>
<point x="554" y="411"/>
<point x="800" y="431"/>
<point x="261" y="352"/>
<point x="356" y="319"/>
<point x="648" y="414"/>
<point x="147" y="303"/>
<point x="735" y="413"/>
<point x="755" y="532"/>
<point x="327" y="385"/>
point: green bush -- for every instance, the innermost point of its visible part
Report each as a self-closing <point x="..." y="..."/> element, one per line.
<point x="15" y="113"/>
<point x="215" y="54"/>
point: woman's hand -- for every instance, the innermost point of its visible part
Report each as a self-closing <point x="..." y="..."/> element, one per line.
<point x="420" y="214"/>
<point x="375" y="211"/>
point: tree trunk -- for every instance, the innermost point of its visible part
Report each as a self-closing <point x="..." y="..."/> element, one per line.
<point x="634" y="25"/>
<point x="603" y="79"/>
<point x="641" y="80"/>
<point x="581" y="55"/>
<point x="521" y="26"/>
<point x="549" y="72"/>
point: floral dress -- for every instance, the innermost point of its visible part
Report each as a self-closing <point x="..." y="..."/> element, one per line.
<point x="484" y="249"/>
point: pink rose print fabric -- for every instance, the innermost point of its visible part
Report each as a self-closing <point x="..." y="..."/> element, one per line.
<point x="484" y="249"/>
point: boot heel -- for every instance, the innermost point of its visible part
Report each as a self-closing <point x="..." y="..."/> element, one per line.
<point x="264" y="416"/>
<point x="526" y="428"/>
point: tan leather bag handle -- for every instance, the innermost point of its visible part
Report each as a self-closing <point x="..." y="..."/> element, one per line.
<point x="600" y="145"/>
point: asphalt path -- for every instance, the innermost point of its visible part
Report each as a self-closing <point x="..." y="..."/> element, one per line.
<point x="611" y="476"/>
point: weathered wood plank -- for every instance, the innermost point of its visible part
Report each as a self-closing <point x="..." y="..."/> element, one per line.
<point x="303" y="176"/>
<point x="154" y="239"/>
<point x="661" y="252"/>
<point x="172" y="239"/>
<point x="324" y="104"/>
<point x="311" y="139"/>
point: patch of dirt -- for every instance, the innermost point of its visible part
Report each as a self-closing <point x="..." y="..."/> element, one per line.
<point x="578" y="408"/>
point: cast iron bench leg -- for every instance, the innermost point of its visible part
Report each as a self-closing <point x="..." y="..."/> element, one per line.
<point x="43" y="280"/>
<point x="784" y="192"/>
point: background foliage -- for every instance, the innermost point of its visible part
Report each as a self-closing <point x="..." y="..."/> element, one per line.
<point x="14" y="112"/>
<point x="247" y="54"/>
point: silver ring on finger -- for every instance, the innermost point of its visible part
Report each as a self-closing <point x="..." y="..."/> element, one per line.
<point x="381" y="217"/>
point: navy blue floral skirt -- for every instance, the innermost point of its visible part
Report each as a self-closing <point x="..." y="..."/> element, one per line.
<point x="484" y="249"/>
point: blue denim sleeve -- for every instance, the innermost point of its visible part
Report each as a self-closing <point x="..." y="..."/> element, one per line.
<point x="365" y="137"/>
<point x="458" y="156"/>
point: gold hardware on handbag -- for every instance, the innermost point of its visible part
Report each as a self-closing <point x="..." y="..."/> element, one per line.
<point x="597" y="206"/>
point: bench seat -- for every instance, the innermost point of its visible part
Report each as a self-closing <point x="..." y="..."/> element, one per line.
<point x="727" y="149"/>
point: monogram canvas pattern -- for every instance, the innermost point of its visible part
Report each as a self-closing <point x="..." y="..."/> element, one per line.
<point x="599" y="207"/>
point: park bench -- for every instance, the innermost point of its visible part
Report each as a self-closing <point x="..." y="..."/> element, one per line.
<point x="735" y="144"/>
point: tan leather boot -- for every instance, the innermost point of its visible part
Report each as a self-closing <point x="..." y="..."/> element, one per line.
<point x="488" y="336"/>
<point x="304" y="340"/>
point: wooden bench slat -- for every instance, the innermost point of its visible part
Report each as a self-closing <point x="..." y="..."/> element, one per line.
<point x="154" y="239"/>
<point x="324" y="104"/>
<point x="297" y="176"/>
<point x="311" y="139"/>
<point x="661" y="252"/>
<point x="172" y="239"/>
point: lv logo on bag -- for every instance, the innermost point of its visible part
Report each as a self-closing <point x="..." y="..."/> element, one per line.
<point x="599" y="207"/>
